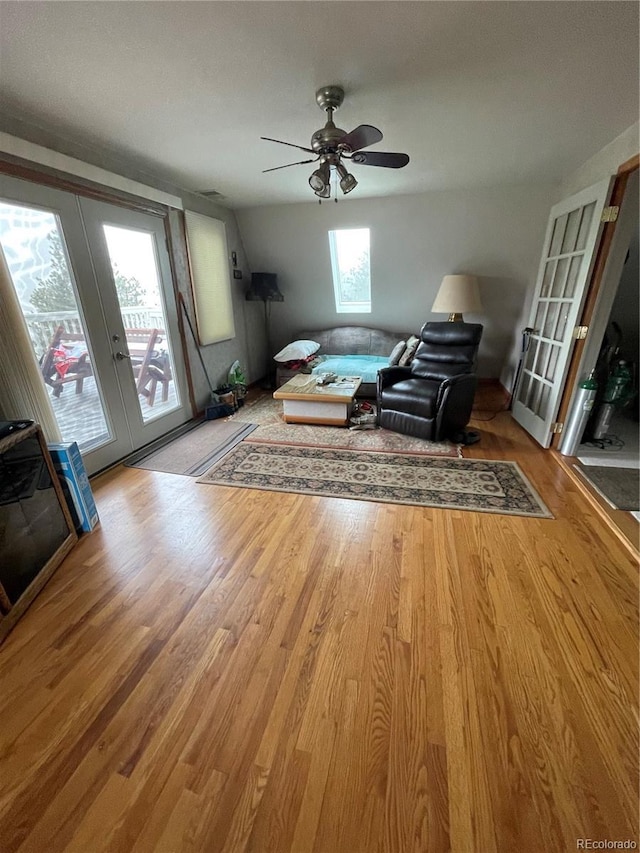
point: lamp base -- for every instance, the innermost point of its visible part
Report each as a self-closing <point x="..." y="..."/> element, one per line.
<point x="455" y="318"/>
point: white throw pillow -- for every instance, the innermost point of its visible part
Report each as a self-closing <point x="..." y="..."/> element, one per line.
<point x="297" y="350"/>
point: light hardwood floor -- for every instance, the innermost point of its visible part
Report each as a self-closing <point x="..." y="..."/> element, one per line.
<point x="234" y="670"/>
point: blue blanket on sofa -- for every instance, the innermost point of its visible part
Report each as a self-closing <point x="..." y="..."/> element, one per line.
<point x="366" y="366"/>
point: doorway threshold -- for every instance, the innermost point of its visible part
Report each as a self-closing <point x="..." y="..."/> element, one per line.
<point x="624" y="525"/>
<point x="620" y="448"/>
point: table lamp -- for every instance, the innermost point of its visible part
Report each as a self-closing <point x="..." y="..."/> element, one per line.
<point x="458" y="293"/>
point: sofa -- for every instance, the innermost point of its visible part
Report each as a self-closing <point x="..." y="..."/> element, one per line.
<point x="347" y="351"/>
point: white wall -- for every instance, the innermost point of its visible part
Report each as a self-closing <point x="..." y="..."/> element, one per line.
<point x="606" y="162"/>
<point x="494" y="233"/>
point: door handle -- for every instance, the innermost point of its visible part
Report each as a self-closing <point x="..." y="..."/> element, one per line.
<point x="121" y="355"/>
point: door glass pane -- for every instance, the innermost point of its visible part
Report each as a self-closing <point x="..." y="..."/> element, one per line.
<point x="558" y="236"/>
<point x="563" y="316"/>
<point x="543" y="401"/>
<point x="550" y="322"/>
<point x="540" y="311"/>
<point x="560" y="277"/>
<point x="571" y="234"/>
<point x="585" y="225"/>
<point x="550" y="372"/>
<point x="572" y="278"/>
<point x="534" y="395"/>
<point x="541" y="361"/>
<point x="549" y="270"/>
<point x="33" y="244"/>
<point x="524" y="388"/>
<point x="530" y="357"/>
<point x="139" y="289"/>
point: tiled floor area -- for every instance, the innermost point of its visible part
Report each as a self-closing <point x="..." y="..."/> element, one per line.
<point x="621" y="449"/>
<point x="81" y="419"/>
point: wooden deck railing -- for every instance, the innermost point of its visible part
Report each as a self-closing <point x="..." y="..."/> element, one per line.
<point x="42" y="326"/>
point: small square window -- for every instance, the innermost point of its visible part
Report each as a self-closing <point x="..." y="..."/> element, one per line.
<point x="351" y="271"/>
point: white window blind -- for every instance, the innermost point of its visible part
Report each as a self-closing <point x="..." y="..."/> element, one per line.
<point x="208" y="259"/>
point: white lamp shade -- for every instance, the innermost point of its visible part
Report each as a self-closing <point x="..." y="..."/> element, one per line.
<point x="458" y="294"/>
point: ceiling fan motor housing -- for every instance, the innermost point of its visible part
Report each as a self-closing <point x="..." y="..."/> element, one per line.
<point x="327" y="139"/>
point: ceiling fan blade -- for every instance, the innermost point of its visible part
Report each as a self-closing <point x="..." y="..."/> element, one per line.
<point x="380" y="158"/>
<point x="286" y="165"/>
<point x="361" y="137"/>
<point x="279" y="141"/>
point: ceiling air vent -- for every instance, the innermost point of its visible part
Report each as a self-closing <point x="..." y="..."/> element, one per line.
<point x="214" y="195"/>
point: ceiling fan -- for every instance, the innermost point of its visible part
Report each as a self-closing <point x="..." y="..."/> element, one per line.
<point x="332" y="146"/>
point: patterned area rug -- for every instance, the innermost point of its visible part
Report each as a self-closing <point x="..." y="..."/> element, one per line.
<point x="267" y="413"/>
<point x="474" y="484"/>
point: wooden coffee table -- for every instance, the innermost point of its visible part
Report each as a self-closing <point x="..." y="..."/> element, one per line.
<point x="306" y="402"/>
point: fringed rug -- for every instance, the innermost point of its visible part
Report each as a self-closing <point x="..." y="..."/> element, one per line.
<point x="267" y="414"/>
<point x="473" y="484"/>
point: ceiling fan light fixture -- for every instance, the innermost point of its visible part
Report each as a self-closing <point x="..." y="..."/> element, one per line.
<point x="331" y="143"/>
<point x="319" y="179"/>
<point x="316" y="181"/>
<point x="347" y="180"/>
<point x="347" y="184"/>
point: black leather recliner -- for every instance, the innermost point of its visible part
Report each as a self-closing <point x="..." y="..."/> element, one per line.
<point x="432" y="398"/>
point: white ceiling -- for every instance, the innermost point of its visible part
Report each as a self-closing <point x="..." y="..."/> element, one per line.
<point x="477" y="93"/>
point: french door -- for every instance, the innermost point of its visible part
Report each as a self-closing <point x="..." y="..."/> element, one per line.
<point x="94" y="283"/>
<point x="567" y="260"/>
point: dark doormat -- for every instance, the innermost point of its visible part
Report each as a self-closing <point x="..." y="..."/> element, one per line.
<point x="195" y="451"/>
<point x="620" y="487"/>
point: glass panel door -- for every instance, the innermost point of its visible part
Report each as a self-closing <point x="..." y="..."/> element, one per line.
<point x="34" y="247"/>
<point x="95" y="287"/>
<point x="567" y="259"/>
<point x="42" y="238"/>
<point x="139" y="292"/>
<point x="132" y="268"/>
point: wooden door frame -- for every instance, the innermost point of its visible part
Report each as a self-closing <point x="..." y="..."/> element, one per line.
<point x="593" y="289"/>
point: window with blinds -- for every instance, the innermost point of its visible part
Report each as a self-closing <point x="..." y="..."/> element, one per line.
<point x="208" y="260"/>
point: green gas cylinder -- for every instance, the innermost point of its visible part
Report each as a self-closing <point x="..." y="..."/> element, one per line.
<point x="617" y="384"/>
